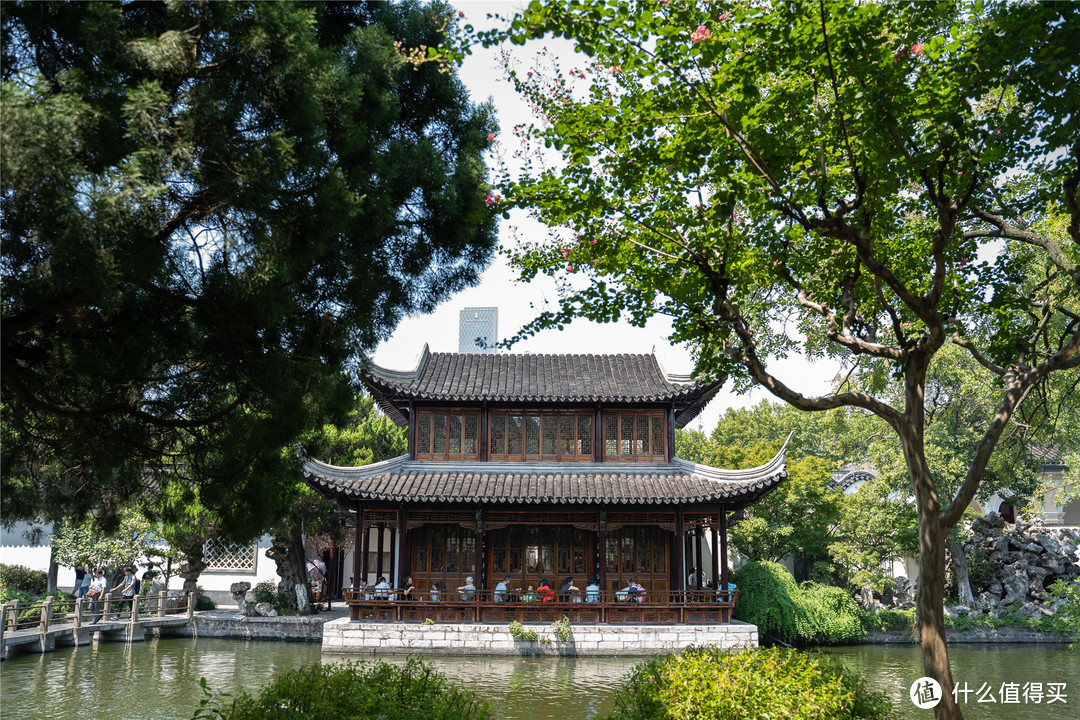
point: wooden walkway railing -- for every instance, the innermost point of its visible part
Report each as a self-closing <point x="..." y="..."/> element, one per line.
<point x="41" y="626"/>
<point x="695" y="607"/>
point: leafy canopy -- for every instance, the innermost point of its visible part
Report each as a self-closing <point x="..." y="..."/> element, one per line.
<point x="211" y="211"/>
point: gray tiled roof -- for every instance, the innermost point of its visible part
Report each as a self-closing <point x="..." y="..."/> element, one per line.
<point x="678" y="482"/>
<point x="473" y="377"/>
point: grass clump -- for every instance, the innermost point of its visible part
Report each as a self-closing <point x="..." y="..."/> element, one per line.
<point x="707" y="682"/>
<point x="333" y="692"/>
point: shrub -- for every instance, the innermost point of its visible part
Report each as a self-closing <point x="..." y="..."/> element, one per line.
<point x="267" y="592"/>
<point x="23" y="578"/>
<point x="888" y="619"/>
<point x="388" y="692"/>
<point x="807" y="614"/>
<point x="708" y="682"/>
<point x="518" y="631"/>
<point x="766" y="592"/>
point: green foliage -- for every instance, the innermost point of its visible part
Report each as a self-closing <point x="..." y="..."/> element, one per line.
<point x="1068" y="615"/>
<point x="87" y="543"/>
<point x="518" y="632"/>
<point x="23" y="579"/>
<point x="211" y="212"/>
<point x="876" y="524"/>
<point x="428" y="621"/>
<point x="806" y="614"/>
<point x="9" y="593"/>
<point x="980" y="569"/>
<point x="708" y="682"/>
<point x="888" y="619"/>
<point x="561" y="629"/>
<point x="838" y="179"/>
<point x="799" y="517"/>
<point x="367" y="436"/>
<point x="331" y="692"/>
<point x="265" y="592"/>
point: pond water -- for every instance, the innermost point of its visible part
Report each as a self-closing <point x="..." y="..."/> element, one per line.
<point x="158" y="679"/>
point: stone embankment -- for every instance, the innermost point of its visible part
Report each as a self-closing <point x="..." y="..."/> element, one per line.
<point x="342" y="636"/>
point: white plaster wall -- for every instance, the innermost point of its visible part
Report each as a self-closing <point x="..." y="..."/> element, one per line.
<point x="15" y="549"/>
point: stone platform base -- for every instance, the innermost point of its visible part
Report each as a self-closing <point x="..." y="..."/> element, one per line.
<point x="344" y="636"/>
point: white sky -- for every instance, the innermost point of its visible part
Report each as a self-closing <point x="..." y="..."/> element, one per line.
<point x="520" y="302"/>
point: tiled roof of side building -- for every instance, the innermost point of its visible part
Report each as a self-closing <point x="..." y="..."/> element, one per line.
<point x="678" y="482"/>
<point x="458" y="377"/>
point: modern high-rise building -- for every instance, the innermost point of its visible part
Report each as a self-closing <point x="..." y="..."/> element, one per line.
<point x="478" y="331"/>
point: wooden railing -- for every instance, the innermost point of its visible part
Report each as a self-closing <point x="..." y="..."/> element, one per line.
<point x="706" y="606"/>
<point x="53" y="611"/>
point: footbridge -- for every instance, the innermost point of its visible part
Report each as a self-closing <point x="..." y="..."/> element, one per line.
<point x="43" y="626"/>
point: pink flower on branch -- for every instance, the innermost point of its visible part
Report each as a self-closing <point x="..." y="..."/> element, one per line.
<point x="491" y="199"/>
<point x="569" y="268"/>
<point x="916" y="49"/>
<point x="701" y="33"/>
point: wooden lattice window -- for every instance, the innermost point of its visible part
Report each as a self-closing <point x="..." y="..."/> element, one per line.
<point x="635" y="435"/>
<point x="639" y="552"/>
<point x="559" y="435"/>
<point x="226" y="556"/>
<point x="447" y="434"/>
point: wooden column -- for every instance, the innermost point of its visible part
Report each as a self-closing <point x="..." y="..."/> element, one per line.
<point x="379" y="549"/>
<point x="410" y="435"/>
<point x="482" y="441"/>
<point x="603" y="539"/>
<point x="678" y="548"/>
<point x="366" y="545"/>
<point x="715" y="555"/>
<point x="723" y="548"/>
<point x="358" y="547"/>
<point x="670" y="434"/>
<point x="598" y="443"/>
<point x="391" y="573"/>
<point x="602" y="525"/>
<point x="698" y="569"/>
<point x="403" y="549"/>
<point x="478" y="552"/>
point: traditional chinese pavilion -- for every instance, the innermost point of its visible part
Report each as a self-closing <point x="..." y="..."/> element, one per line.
<point x="542" y="466"/>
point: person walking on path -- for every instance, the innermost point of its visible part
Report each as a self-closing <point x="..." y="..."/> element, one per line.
<point x="127" y="588"/>
<point x="94" y="593"/>
<point x="80" y="574"/>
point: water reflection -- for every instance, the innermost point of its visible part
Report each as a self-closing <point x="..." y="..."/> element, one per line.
<point x="158" y="679"/>
<point x="892" y="669"/>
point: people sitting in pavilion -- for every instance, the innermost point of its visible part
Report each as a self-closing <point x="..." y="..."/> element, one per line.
<point x="592" y="590"/>
<point x="502" y="590"/>
<point x="545" y="592"/>
<point x="569" y="592"/>
<point x="382" y="589"/>
<point x="434" y="592"/>
<point x="468" y="590"/>
<point x="529" y="596"/>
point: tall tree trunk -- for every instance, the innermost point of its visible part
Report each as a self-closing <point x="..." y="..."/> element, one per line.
<point x="930" y="603"/>
<point x="54" y="569"/>
<point x="287" y="552"/>
<point x="960" y="571"/>
<point x="930" y="617"/>
<point x="193" y="564"/>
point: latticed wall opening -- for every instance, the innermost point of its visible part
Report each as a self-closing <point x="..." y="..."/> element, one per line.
<point x="519" y="435"/>
<point x="635" y="435"/>
<point x="447" y="434"/>
<point x="226" y="556"/>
